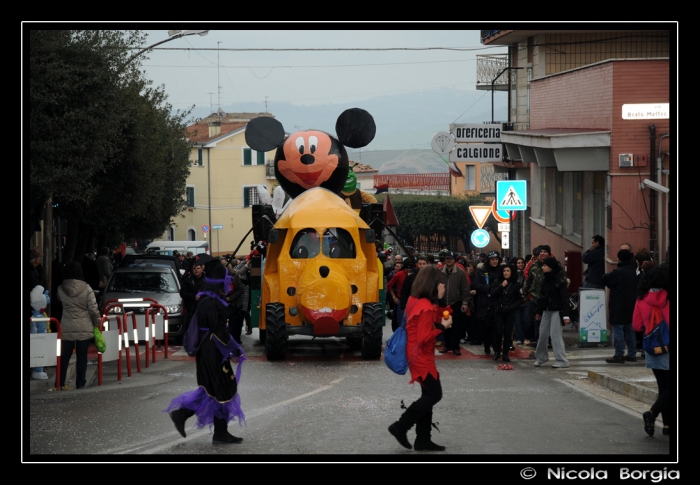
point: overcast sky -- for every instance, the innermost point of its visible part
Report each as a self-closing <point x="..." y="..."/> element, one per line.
<point x="309" y="67"/>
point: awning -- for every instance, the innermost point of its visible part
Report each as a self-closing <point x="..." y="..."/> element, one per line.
<point x="568" y="149"/>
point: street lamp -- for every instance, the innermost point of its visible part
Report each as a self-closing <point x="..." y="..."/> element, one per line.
<point x="494" y="82"/>
<point x="174" y="34"/>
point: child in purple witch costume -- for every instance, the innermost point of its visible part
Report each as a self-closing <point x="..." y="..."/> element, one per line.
<point x="216" y="400"/>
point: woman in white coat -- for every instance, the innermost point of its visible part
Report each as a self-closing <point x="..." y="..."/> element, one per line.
<point x="80" y="316"/>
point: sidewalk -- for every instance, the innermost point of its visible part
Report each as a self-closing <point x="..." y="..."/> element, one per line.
<point x="633" y="380"/>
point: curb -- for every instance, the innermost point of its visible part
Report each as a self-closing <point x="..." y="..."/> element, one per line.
<point x="627" y="387"/>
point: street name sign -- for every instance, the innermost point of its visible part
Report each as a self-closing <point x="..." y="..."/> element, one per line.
<point x="217" y="226"/>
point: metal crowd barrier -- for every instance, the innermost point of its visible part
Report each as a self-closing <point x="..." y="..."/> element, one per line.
<point x="45" y="348"/>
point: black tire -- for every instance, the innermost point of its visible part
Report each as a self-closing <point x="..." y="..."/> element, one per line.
<point x="276" y="331"/>
<point x="372" y="319"/>
<point x="262" y="335"/>
<point x="355" y="343"/>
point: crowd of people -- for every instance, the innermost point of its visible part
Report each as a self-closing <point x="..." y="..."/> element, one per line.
<point x="524" y="301"/>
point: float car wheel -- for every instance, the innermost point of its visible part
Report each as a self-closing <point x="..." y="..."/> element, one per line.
<point x="372" y="320"/>
<point x="276" y="331"/>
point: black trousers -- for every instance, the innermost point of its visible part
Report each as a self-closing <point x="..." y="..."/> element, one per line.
<point x="454" y="333"/>
<point x="662" y="404"/>
<point x="503" y="332"/>
<point x="235" y="323"/>
<point x="421" y="410"/>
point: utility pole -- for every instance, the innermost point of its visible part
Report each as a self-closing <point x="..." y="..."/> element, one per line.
<point x="218" y="83"/>
<point x="265" y="104"/>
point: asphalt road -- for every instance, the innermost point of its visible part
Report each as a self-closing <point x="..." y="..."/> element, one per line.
<point x="324" y="403"/>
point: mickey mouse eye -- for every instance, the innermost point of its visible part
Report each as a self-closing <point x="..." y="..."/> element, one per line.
<point x="300" y="144"/>
<point x="313" y="143"/>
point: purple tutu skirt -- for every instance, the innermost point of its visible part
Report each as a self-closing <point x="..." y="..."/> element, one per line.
<point x="207" y="408"/>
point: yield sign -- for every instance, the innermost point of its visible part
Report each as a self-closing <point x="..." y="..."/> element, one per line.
<point x="480" y="213"/>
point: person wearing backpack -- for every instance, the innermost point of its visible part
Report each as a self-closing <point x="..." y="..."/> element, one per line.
<point x="216" y="400"/>
<point x="424" y="322"/>
<point x="652" y="297"/>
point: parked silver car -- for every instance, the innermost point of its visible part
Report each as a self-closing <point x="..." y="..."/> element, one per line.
<point x="159" y="282"/>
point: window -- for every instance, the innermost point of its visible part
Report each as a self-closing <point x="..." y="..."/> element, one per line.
<point x="190" y="195"/>
<point x="599" y="203"/>
<point x="338" y="243"/>
<point x="538" y="193"/>
<point x="250" y="196"/>
<point x="559" y="206"/>
<point x="306" y="244"/>
<point x="577" y="209"/>
<point x="191" y="235"/>
<point x="249" y="155"/>
<point x="470" y="177"/>
<point x="200" y="157"/>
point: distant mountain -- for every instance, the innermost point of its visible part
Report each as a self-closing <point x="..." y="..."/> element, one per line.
<point x="404" y="121"/>
<point x="400" y="161"/>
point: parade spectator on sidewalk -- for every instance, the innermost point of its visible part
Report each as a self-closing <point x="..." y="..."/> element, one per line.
<point x="534" y="276"/>
<point x="481" y="291"/>
<point x="552" y="305"/>
<point x="506" y="293"/>
<point x="393" y="288"/>
<point x="104" y="266"/>
<point x="80" y="316"/>
<point x="522" y="314"/>
<point x="622" y="282"/>
<point x="424" y="322"/>
<point x="457" y="297"/>
<point x="594" y="257"/>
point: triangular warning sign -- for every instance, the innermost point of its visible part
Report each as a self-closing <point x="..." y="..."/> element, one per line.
<point x="480" y="213"/>
<point x="511" y="198"/>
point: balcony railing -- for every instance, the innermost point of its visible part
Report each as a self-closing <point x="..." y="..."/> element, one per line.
<point x="487" y="68"/>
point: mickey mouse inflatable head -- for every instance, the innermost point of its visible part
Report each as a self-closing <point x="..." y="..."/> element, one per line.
<point x="312" y="158"/>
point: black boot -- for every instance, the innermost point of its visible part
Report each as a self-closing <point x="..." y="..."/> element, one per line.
<point x="423" y="442"/>
<point x="401" y="427"/>
<point x="179" y="416"/>
<point x="506" y="358"/>
<point x="496" y="355"/>
<point x="221" y="434"/>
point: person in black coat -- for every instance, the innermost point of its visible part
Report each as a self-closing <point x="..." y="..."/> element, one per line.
<point x="506" y="292"/>
<point x="622" y="282"/>
<point x="481" y="291"/>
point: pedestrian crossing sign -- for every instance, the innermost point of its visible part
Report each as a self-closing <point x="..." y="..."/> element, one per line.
<point x="511" y="195"/>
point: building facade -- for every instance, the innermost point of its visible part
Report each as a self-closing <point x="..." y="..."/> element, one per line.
<point x="591" y="126"/>
<point x="222" y="185"/>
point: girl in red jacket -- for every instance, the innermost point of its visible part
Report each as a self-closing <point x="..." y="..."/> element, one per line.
<point x="653" y="295"/>
<point x="424" y="322"/>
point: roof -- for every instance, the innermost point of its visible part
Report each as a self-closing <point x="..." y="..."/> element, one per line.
<point x="199" y="132"/>
<point x="230" y="122"/>
<point x="360" y="168"/>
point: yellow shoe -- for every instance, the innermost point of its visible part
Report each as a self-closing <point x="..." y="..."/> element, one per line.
<point x="66" y="388"/>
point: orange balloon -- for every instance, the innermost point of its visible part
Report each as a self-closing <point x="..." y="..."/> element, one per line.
<point x="445" y="314"/>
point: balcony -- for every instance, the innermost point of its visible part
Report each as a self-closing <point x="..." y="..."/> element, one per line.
<point x="487" y="68"/>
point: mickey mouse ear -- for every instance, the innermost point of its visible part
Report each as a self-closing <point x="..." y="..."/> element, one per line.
<point x="355" y="128"/>
<point x="264" y="133"/>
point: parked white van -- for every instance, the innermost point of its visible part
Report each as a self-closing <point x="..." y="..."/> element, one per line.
<point x="167" y="247"/>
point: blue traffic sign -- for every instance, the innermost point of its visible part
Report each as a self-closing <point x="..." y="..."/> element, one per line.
<point x="511" y="195"/>
<point x="480" y="238"/>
